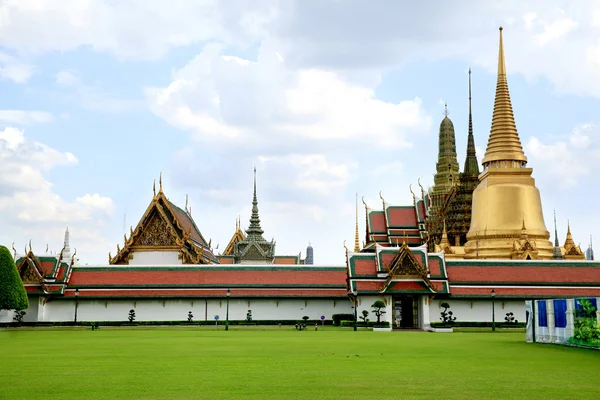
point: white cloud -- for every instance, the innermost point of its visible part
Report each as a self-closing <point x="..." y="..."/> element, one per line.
<point x="25" y="194"/>
<point x="13" y="69"/>
<point x="565" y="162"/>
<point x="331" y="35"/>
<point x="226" y="99"/>
<point x="92" y="97"/>
<point x="25" y="117"/>
<point x="310" y="172"/>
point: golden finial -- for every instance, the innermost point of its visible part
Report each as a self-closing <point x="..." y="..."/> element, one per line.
<point x="30" y="245"/>
<point x="124" y="239"/>
<point x="160" y="189"/>
<point x="14" y="250"/>
<point x="568" y="227"/>
<point x="210" y="243"/>
<point x="186" y="201"/>
<point x="445" y="109"/>
<point x="364" y="202"/>
<point x="404" y="240"/>
<point x="382" y="200"/>
<point x="190" y="211"/>
<point x="109" y="257"/>
<point x="25" y="250"/>
<point x="130" y="230"/>
<point x="74" y="254"/>
<point x="118" y="249"/>
<point x="356" y="239"/>
<point x="345" y="247"/>
<point x="413" y="194"/>
<point x="422" y="190"/>
<point x="504" y="144"/>
<point x="154" y="187"/>
<point x="445" y="241"/>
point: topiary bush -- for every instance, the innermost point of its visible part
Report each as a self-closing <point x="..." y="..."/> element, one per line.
<point x="12" y="292"/>
<point x="341" y="317"/>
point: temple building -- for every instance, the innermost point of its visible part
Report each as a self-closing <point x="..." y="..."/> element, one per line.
<point x="473" y="241"/>
<point x="252" y="248"/>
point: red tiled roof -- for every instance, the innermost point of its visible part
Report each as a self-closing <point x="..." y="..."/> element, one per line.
<point x="47" y="266"/>
<point x="194" y="276"/>
<point x="406" y="286"/>
<point x="525" y="291"/>
<point x="434" y="266"/>
<point x="188" y="224"/>
<point x="401" y="216"/>
<point x="522" y="273"/>
<point x="368" y="285"/>
<point x="365" y="266"/>
<point x="285" y="260"/>
<point x="377" y="221"/>
<point x="226" y="260"/>
<point x="211" y="293"/>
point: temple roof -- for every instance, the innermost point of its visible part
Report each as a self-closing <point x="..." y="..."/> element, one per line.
<point x="208" y="280"/>
<point x="238" y="236"/>
<point x="165" y="227"/>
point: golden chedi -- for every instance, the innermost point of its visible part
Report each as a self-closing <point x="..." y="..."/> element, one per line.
<point x="507" y="220"/>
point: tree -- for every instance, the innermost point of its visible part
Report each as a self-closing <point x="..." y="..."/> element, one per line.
<point x="12" y="292"/>
<point x="190" y="316"/>
<point x="378" y="309"/>
<point x="364" y="316"/>
<point x="131" y="316"/>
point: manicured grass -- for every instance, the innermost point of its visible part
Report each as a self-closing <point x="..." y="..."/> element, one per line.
<point x="191" y="363"/>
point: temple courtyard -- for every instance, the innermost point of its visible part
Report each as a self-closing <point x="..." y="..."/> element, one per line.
<point x="280" y="362"/>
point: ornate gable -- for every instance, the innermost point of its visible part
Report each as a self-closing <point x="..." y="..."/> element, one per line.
<point x="404" y="266"/>
<point x="164" y="227"/>
<point x="156" y="233"/>
<point x="237" y="237"/>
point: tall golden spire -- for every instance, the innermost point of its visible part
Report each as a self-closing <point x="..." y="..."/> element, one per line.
<point x="356" y="240"/>
<point x="496" y="228"/>
<point x="504" y="143"/>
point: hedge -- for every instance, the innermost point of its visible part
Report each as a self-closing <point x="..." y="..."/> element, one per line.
<point x="370" y="324"/>
<point x="341" y="317"/>
<point x="12" y="292"/>
<point x="290" y="322"/>
<point x="477" y="324"/>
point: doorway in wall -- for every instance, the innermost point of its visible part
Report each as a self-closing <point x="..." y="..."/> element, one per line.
<point x="406" y="312"/>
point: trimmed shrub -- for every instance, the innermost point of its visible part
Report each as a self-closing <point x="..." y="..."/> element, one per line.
<point x="478" y="324"/>
<point x="12" y="292"/>
<point x="350" y="324"/>
<point x="341" y="317"/>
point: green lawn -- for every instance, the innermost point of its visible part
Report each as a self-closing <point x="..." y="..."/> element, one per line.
<point x="192" y="363"/>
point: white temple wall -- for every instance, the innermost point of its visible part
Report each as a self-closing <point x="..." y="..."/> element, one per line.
<point x="155" y="258"/>
<point x="202" y="309"/>
<point x="478" y="310"/>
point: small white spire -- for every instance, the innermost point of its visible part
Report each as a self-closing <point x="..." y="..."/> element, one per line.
<point x="66" y="246"/>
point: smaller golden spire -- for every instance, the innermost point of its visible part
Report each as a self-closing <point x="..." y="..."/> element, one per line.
<point x="154" y="188"/>
<point x="569" y="242"/>
<point x="445" y="242"/>
<point x="382" y="200"/>
<point x="160" y="189"/>
<point x="356" y="240"/>
<point x="186" y="201"/>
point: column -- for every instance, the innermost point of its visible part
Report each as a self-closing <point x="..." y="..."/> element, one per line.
<point x="570" y="319"/>
<point x="551" y="322"/>
<point x="426" y="322"/>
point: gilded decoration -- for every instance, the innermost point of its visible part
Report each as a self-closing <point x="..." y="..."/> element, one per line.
<point x="156" y="233"/>
<point x="162" y="228"/>
<point x="404" y="265"/>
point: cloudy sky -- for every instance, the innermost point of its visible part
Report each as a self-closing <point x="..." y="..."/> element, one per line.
<point x="326" y="98"/>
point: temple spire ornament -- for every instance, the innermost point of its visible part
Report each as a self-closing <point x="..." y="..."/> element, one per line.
<point x="505" y="179"/>
<point x="471" y="165"/>
<point x="557" y="255"/>
<point x="356" y="239"/>
<point x="254" y="230"/>
<point x="504" y="144"/>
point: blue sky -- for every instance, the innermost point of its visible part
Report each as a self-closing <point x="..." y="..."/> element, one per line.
<point x="327" y="100"/>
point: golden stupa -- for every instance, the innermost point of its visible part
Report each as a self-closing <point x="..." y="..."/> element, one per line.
<point x="507" y="220"/>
